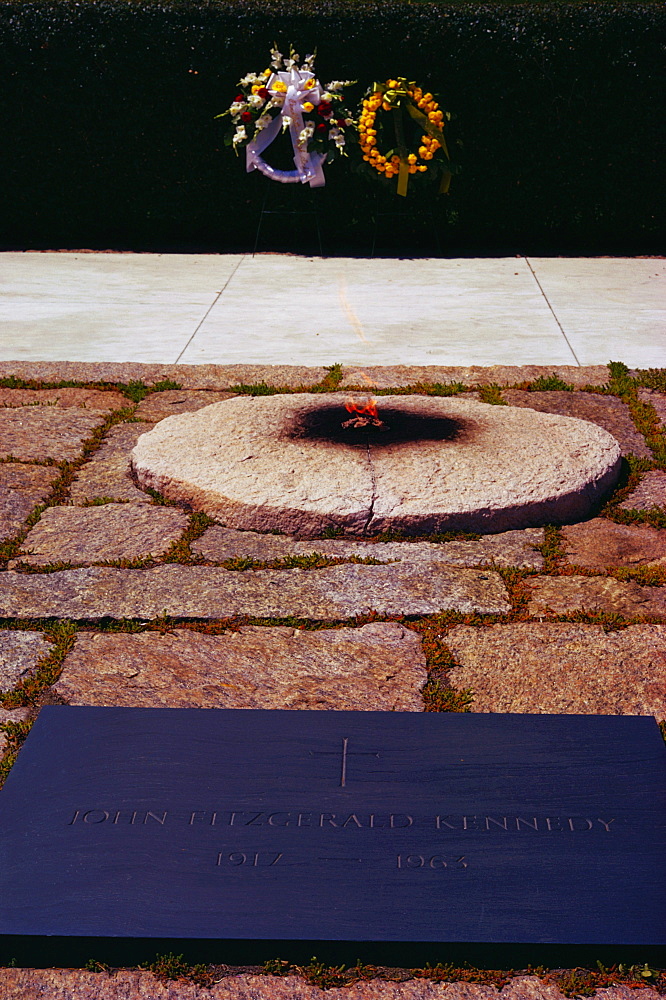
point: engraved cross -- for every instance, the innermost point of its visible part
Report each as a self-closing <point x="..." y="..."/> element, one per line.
<point x="344" y="753"/>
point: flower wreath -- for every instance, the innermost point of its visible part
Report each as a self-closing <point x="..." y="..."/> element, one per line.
<point x="286" y="97"/>
<point x="396" y="96"/>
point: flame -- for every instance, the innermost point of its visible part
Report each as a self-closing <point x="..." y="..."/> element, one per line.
<point x="364" y="409"/>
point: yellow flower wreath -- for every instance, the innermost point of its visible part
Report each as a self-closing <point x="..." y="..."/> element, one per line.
<point x="394" y="95"/>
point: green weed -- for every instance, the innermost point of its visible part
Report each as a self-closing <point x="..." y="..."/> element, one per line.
<point x="170" y="967"/>
<point x="492" y="393"/>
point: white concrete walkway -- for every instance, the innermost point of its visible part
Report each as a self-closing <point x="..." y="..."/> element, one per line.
<point x="275" y="309"/>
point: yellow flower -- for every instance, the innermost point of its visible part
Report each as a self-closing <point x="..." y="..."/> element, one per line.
<point x="385" y="106"/>
<point x="422" y="151"/>
<point x="427" y="97"/>
<point x="427" y="156"/>
<point x="412" y="168"/>
<point x="393" y="84"/>
<point x="422" y="168"/>
<point x="308" y="106"/>
<point x="309" y="84"/>
<point x="411" y="158"/>
<point x="280" y="87"/>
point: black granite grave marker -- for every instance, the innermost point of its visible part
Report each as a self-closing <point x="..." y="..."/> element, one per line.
<point x="299" y="830"/>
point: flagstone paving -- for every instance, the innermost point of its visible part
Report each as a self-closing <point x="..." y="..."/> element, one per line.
<point x="98" y="534"/>
<point x="650" y="493"/>
<point x="377" y="668"/>
<point x="194" y="612"/>
<point x="510" y="548"/>
<point x="34" y="984"/>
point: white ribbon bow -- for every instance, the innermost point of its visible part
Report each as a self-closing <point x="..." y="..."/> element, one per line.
<point x="309" y="166"/>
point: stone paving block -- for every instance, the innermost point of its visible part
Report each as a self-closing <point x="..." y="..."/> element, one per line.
<point x="510" y="548"/>
<point x="128" y="984"/>
<point x="39" y="433"/>
<point x="10" y="715"/>
<point x="95" y="400"/>
<point x="81" y="535"/>
<point x="107" y="473"/>
<point x="22" y="487"/>
<point x="387" y="376"/>
<point x="650" y="493"/>
<point x="562" y="668"/>
<point x="379" y="667"/>
<point x="159" y="405"/>
<point x="336" y="592"/>
<point x="606" y="411"/>
<point x="599" y="543"/>
<point x="657" y="400"/>
<point x="19" y="654"/>
<point x="563" y="595"/>
<point x="188" y="376"/>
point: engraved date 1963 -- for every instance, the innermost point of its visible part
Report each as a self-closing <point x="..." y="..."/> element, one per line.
<point x="435" y="862"/>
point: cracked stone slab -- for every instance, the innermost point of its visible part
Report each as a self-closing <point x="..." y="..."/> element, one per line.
<point x="599" y="544"/>
<point x="10" y="715"/>
<point x="205" y="592"/>
<point x="19" y="654"/>
<point x="510" y="548"/>
<point x="159" y="405"/>
<point x="22" y="487"/>
<point x="388" y="376"/>
<point x="82" y="535"/>
<point x="605" y="411"/>
<point x="95" y="400"/>
<point x="107" y="473"/>
<point x="563" y="595"/>
<point x="377" y="668"/>
<point x="39" y="433"/>
<point x="651" y="492"/>
<point x="252" y="464"/>
<point x="561" y="668"/>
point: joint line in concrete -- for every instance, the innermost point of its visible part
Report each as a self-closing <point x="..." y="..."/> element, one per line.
<point x="568" y="342"/>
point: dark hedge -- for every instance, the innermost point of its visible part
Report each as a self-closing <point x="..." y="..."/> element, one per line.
<point x="109" y="139"/>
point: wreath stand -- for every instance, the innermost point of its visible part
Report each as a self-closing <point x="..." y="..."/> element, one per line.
<point x="387" y="216"/>
<point x="271" y="207"/>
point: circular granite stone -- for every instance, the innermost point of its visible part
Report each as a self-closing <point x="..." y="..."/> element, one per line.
<point x="286" y="463"/>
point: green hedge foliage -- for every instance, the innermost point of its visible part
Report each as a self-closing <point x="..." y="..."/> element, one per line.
<point x="109" y="139"/>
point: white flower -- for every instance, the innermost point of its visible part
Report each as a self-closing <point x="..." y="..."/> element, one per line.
<point x="276" y="101"/>
<point x="307" y="64"/>
<point x="262" y="122"/>
<point x="276" y="58"/>
<point x="326" y="96"/>
<point x="306" y="134"/>
<point x="338" y="84"/>
<point x="248" y="80"/>
<point x="237" y="107"/>
<point x="255" y="101"/>
<point x="241" y="134"/>
<point x="286" y="122"/>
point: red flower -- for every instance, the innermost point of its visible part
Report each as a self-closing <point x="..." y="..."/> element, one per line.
<point x="246" y="116"/>
<point x="263" y="93"/>
<point x="321" y="127"/>
<point x="324" y="109"/>
<point x="240" y="97"/>
<point x="341" y="123"/>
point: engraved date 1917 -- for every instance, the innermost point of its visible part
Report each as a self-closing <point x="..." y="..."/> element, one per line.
<point x="434" y="862"/>
<point x="250" y="859"/>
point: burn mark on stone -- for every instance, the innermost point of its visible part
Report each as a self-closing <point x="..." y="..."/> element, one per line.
<point x="327" y="423"/>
